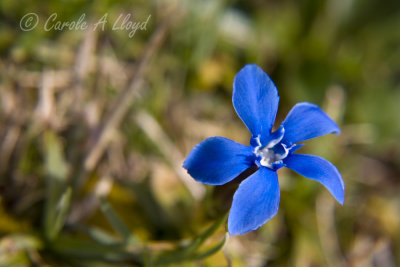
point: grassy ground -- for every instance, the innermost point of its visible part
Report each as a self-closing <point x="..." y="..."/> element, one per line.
<point x="95" y="124"/>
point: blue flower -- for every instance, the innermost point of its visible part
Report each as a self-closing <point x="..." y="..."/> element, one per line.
<point x="218" y="160"/>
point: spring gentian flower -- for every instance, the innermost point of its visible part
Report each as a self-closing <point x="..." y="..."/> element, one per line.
<point x="218" y="160"/>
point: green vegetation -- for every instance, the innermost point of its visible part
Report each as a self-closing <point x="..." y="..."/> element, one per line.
<point x="95" y="124"/>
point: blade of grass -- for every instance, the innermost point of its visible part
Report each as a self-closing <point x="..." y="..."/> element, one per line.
<point x="210" y="251"/>
<point x="98" y="235"/>
<point x="61" y="213"/>
<point x="207" y="233"/>
<point x="188" y="252"/>
<point x="89" y="250"/>
<point x="117" y="224"/>
<point x="56" y="182"/>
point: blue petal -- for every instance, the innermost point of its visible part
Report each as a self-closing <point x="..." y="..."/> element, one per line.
<point x="320" y="170"/>
<point x="218" y="160"/>
<point x="255" y="202"/>
<point x="306" y="121"/>
<point x="295" y="147"/>
<point x="255" y="99"/>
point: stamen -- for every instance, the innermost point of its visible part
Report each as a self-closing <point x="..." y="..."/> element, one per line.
<point x="273" y="142"/>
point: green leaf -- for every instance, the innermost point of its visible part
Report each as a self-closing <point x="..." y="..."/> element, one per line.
<point x="206" y="234"/>
<point x="210" y="251"/>
<point x="58" y="197"/>
<point x="61" y="213"/>
<point x="117" y="224"/>
<point x="55" y="164"/>
<point x="98" y="235"/>
<point x="189" y="251"/>
<point x="89" y="250"/>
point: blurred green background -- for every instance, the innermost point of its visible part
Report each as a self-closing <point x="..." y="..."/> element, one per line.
<point x="95" y="125"/>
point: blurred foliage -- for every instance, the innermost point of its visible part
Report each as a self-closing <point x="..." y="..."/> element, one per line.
<point x="70" y="198"/>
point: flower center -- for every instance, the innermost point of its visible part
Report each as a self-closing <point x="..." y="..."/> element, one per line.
<point x="272" y="154"/>
<point x="272" y="157"/>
